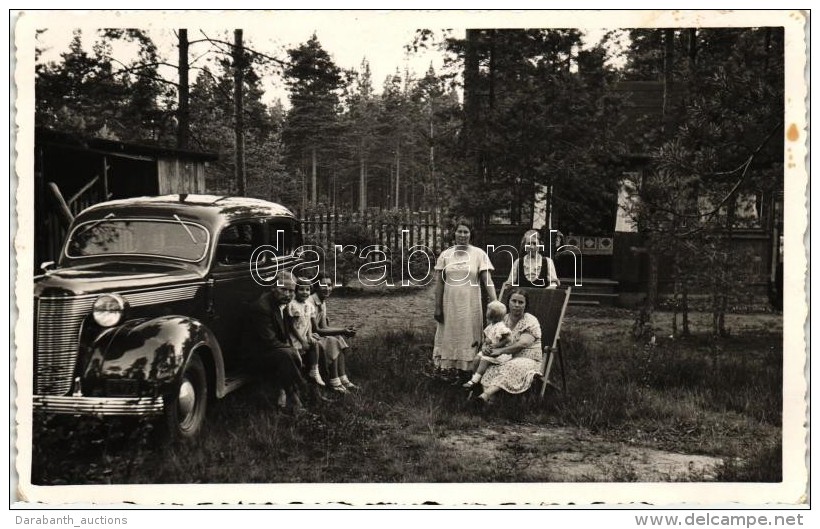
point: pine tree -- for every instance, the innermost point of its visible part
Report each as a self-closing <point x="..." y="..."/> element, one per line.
<point x="212" y="130"/>
<point x="314" y="82"/>
<point x="530" y="96"/>
<point x="722" y="144"/>
<point x="360" y="129"/>
<point x="92" y="94"/>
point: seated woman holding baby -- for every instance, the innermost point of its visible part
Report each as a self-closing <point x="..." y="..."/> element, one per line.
<point x="509" y="362"/>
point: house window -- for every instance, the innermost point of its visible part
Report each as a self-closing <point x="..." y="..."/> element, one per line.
<point x="748" y="209"/>
<point x="627" y="202"/>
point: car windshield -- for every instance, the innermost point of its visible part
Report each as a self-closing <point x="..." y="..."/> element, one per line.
<point x="173" y="239"/>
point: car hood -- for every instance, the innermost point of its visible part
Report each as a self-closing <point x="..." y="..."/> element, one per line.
<point x="109" y="278"/>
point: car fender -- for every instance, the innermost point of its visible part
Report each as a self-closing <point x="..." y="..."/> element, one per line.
<point x="153" y="352"/>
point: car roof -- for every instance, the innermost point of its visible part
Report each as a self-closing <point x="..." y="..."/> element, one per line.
<point x="211" y="210"/>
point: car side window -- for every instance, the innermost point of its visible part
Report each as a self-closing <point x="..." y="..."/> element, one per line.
<point x="284" y="235"/>
<point x="237" y="242"/>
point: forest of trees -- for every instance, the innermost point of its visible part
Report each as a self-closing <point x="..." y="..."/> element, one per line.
<point x="512" y="112"/>
<point x="537" y="110"/>
<point x="338" y="143"/>
<point x="341" y="141"/>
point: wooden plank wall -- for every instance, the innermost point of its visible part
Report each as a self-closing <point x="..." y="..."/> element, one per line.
<point x="180" y="176"/>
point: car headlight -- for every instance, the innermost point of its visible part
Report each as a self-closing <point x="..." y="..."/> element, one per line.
<point x="108" y="310"/>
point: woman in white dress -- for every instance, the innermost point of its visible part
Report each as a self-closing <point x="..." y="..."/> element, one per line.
<point x="461" y="272"/>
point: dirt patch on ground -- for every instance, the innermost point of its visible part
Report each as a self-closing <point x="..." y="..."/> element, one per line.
<point x="374" y="310"/>
<point x="568" y="455"/>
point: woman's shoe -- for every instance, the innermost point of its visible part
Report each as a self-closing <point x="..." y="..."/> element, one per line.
<point x="315" y="395"/>
<point x="282" y="400"/>
<point x="349" y="385"/>
<point x="293" y="404"/>
<point x="475" y="401"/>
<point x="317" y="378"/>
<point x="469" y="384"/>
<point x="339" y="389"/>
<point x="485" y="401"/>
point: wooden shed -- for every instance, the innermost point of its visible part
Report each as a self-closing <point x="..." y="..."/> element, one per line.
<point x="73" y="172"/>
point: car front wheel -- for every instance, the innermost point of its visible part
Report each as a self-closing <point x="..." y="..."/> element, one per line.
<point x="185" y="408"/>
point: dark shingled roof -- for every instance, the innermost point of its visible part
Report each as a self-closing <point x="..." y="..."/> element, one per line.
<point x="45" y="136"/>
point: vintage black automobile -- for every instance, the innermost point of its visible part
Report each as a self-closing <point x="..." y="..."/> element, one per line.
<point x="142" y="313"/>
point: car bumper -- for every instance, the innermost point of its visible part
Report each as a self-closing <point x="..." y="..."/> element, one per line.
<point x="98" y="406"/>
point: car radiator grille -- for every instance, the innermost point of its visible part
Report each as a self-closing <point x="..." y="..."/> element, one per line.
<point x="56" y="338"/>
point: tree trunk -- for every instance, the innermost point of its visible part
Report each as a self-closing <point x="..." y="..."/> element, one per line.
<point x="715" y="294"/>
<point x="333" y="189"/>
<point x="183" y="112"/>
<point x="472" y="104"/>
<point x="239" y="121"/>
<point x="362" y="184"/>
<point x="685" y="307"/>
<point x="304" y="188"/>
<point x="676" y="291"/>
<point x="313" y="175"/>
<point x="668" y="66"/>
<point x="398" y="171"/>
<point x="433" y="179"/>
<point x="727" y="284"/>
<point x="471" y="77"/>
<point x="491" y="73"/>
<point x="693" y="47"/>
<point x="652" y="285"/>
<point x="549" y="214"/>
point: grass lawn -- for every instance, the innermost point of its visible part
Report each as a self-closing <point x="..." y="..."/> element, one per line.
<point x="630" y="409"/>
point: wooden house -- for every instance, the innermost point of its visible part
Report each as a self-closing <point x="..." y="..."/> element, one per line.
<point x="614" y="264"/>
<point x="755" y="236"/>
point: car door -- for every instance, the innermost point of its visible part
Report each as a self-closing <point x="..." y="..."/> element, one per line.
<point x="232" y="286"/>
<point x="285" y="237"/>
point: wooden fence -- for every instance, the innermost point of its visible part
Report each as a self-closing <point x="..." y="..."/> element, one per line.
<point x="394" y="229"/>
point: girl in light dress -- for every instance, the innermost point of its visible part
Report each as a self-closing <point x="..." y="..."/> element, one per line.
<point x="330" y="341"/>
<point x="302" y="313"/>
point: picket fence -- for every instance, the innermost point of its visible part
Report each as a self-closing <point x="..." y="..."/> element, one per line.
<point x="393" y="229"/>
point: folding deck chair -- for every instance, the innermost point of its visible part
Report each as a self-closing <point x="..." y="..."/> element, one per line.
<point x="548" y="305"/>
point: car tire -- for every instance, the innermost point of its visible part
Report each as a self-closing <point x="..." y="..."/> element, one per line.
<point x="185" y="407"/>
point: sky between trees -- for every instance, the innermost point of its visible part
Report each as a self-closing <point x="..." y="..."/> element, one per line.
<point x="384" y="46"/>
